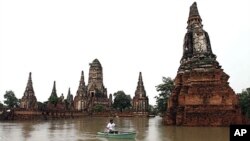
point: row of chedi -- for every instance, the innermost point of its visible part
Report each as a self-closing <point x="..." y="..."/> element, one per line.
<point x="87" y="96"/>
<point x="201" y="95"/>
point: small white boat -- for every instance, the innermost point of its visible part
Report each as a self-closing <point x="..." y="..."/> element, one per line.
<point x="120" y="135"/>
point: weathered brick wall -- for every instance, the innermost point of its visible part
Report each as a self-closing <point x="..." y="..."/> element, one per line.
<point x="203" y="98"/>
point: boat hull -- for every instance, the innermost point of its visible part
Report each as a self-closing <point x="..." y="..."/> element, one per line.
<point x="120" y="135"/>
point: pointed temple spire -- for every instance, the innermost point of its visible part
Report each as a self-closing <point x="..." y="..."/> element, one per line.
<point x="54" y="87"/>
<point x="30" y="76"/>
<point x="197" y="51"/>
<point x="28" y="100"/>
<point x="194" y="19"/>
<point x="140" y="91"/>
<point x="82" y="87"/>
<point x="140" y="82"/>
<point x="201" y="87"/>
<point x="140" y="100"/>
<point x="70" y="99"/>
<point x="194" y="13"/>
<point x="69" y="93"/>
<point x="69" y="96"/>
<point x="29" y="88"/>
<point x="53" y="93"/>
<point x="81" y="93"/>
<point x="82" y="83"/>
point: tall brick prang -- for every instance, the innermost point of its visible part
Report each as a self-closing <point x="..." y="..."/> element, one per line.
<point x="202" y="95"/>
<point x="140" y="100"/>
<point x="28" y="100"/>
<point x="94" y="94"/>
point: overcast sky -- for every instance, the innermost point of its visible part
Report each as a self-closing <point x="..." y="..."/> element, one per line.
<point x="57" y="39"/>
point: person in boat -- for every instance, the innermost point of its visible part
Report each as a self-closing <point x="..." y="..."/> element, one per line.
<point x="111" y="126"/>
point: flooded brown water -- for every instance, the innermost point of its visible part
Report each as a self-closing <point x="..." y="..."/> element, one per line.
<point x="85" y="129"/>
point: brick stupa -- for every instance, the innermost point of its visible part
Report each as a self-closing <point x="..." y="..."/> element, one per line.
<point x="28" y="100"/>
<point x="140" y="100"/>
<point x="202" y="95"/>
<point x="94" y="94"/>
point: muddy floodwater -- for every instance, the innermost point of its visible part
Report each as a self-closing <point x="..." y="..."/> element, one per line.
<point x="85" y="129"/>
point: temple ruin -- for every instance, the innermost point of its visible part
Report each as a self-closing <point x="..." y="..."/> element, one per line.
<point x="87" y="97"/>
<point x="140" y="100"/>
<point x="202" y="95"/>
<point x="28" y="100"/>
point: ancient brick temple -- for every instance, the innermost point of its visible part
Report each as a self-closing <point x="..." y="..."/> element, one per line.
<point x="140" y="100"/>
<point x="28" y="100"/>
<point x="87" y="97"/>
<point x="80" y="100"/>
<point x="202" y="95"/>
<point x="55" y="102"/>
<point x="54" y="93"/>
<point x="69" y="99"/>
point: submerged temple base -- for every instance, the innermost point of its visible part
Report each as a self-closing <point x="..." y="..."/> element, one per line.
<point x="202" y="95"/>
<point x="203" y="98"/>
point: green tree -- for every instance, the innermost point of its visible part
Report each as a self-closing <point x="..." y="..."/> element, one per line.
<point x="164" y="89"/>
<point x="11" y="100"/>
<point x="121" y="101"/>
<point x="1" y="105"/>
<point x="98" y="108"/>
<point x="41" y="106"/>
<point x="244" y="100"/>
<point x="53" y="99"/>
<point x="152" y="110"/>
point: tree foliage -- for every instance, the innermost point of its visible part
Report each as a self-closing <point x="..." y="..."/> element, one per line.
<point x="121" y="101"/>
<point x="244" y="100"/>
<point x="1" y="105"/>
<point x="11" y="100"/>
<point x="41" y="106"/>
<point x="53" y="99"/>
<point x="152" y="110"/>
<point x="98" y="108"/>
<point x="164" y="89"/>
